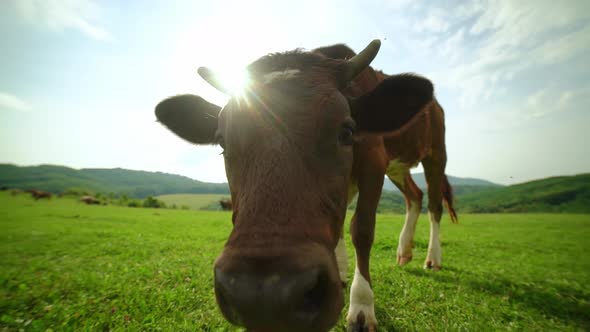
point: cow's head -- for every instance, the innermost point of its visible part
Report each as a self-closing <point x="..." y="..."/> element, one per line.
<point x="288" y="149"/>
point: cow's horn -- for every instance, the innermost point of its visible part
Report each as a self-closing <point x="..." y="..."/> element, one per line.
<point x="209" y="76"/>
<point x="362" y="60"/>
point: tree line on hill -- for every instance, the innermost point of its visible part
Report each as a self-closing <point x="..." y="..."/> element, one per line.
<point x="562" y="194"/>
<point x="135" y="184"/>
<point x="138" y="188"/>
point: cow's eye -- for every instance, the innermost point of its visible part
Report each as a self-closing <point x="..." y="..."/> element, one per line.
<point x="345" y="137"/>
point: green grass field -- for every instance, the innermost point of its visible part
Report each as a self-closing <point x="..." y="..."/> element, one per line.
<point x="193" y="201"/>
<point x="68" y="266"/>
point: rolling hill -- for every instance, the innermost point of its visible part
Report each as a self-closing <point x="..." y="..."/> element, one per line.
<point x="455" y="181"/>
<point x="554" y="194"/>
<point x="137" y="184"/>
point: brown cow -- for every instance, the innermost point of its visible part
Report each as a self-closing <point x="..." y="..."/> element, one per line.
<point x="312" y="130"/>
<point x="15" y="192"/>
<point x="39" y="194"/>
<point x="225" y="204"/>
<point x="90" y="200"/>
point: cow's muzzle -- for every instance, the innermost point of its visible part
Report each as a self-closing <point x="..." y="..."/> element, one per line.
<point x="270" y="294"/>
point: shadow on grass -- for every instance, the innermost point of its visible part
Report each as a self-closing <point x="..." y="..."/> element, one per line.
<point x="553" y="300"/>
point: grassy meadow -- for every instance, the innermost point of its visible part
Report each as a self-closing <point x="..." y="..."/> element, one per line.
<point x="69" y="266"/>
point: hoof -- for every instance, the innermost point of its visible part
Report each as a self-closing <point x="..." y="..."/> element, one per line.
<point x="401" y="261"/>
<point x="430" y="265"/>
<point x="361" y="325"/>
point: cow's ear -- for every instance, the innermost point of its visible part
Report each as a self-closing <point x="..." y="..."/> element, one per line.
<point x="392" y="104"/>
<point x="190" y="117"/>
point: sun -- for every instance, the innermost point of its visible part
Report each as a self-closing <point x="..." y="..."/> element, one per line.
<point x="237" y="80"/>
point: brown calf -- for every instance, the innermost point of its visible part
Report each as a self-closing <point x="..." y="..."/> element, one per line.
<point x="312" y="130"/>
<point x="38" y="194"/>
<point x="225" y="204"/>
<point x="90" y="200"/>
<point x="15" y="192"/>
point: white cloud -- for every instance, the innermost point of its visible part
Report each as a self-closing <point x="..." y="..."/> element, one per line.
<point x="548" y="100"/>
<point x="517" y="20"/>
<point x="489" y="43"/>
<point x="451" y="46"/>
<point x="469" y="9"/>
<point x="435" y="21"/>
<point x="539" y="105"/>
<point x="561" y="48"/>
<point x="11" y="102"/>
<point x="59" y="15"/>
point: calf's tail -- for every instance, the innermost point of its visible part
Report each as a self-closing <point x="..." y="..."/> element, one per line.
<point x="447" y="193"/>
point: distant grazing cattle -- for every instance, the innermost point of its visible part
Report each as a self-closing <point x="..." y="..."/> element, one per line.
<point x="312" y="130"/>
<point x="89" y="200"/>
<point x="225" y="204"/>
<point x="15" y="192"/>
<point x="39" y="194"/>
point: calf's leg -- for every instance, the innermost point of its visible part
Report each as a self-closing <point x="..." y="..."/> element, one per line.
<point x="434" y="172"/>
<point x="413" y="196"/>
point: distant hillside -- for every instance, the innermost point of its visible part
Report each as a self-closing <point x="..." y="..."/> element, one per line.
<point x="555" y="194"/>
<point x="454" y="180"/>
<point x="393" y="201"/>
<point x="138" y="184"/>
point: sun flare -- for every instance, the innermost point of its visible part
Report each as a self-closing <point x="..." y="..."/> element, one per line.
<point x="237" y="81"/>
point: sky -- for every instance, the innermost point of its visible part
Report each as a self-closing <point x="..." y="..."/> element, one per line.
<point x="79" y="79"/>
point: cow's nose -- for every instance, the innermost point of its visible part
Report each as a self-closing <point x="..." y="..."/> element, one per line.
<point x="275" y="299"/>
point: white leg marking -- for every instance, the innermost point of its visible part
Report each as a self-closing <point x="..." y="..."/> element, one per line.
<point x="406" y="237"/>
<point x="361" y="300"/>
<point x="342" y="259"/>
<point x="434" y="258"/>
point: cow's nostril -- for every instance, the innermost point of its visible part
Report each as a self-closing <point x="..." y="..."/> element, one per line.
<point x="222" y="299"/>
<point x="313" y="296"/>
<point x="311" y="303"/>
